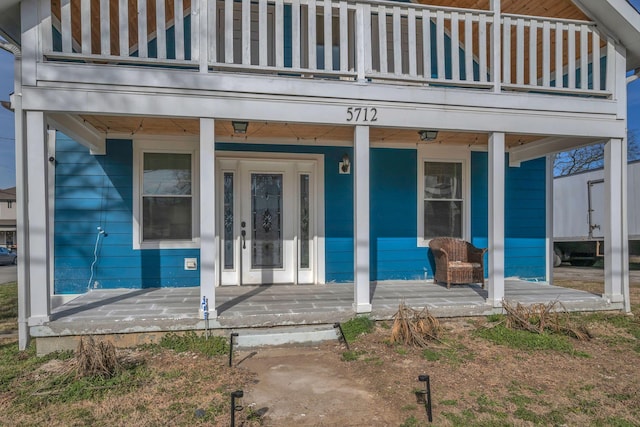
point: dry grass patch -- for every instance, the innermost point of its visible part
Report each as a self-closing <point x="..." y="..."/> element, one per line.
<point x="414" y="327"/>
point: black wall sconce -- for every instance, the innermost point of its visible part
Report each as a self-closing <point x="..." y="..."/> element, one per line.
<point x="428" y="135"/>
<point x="240" y="127"/>
<point x="344" y="166"/>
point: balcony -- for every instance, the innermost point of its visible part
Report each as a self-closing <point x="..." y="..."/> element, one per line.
<point x="364" y="41"/>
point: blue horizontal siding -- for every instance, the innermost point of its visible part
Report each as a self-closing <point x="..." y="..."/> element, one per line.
<point x="94" y="191"/>
<point x="525" y="214"/>
<point x="395" y="254"/>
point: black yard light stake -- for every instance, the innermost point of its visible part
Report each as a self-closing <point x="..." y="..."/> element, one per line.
<point x="233" y="334"/>
<point x="235" y="395"/>
<point x="339" y="326"/>
<point x="425" y="379"/>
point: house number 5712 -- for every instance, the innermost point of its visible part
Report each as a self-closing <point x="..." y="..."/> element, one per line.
<point x="362" y="114"/>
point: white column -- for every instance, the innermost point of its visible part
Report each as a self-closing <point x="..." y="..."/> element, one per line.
<point x="616" y="266"/>
<point x="208" y="250"/>
<point x="38" y="224"/>
<point x="360" y="162"/>
<point x="496" y="218"/>
<point x="21" y="210"/>
<point x="549" y="218"/>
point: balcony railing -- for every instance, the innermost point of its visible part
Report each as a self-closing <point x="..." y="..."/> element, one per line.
<point x="360" y="40"/>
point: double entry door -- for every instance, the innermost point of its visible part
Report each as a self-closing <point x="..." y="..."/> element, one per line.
<point x="267" y="221"/>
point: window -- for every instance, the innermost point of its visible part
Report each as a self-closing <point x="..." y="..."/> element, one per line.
<point x="443" y="202"/>
<point x="166" y="209"/>
<point x="166" y="197"/>
<point x="444" y="193"/>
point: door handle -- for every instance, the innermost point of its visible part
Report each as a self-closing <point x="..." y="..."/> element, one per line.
<point x="243" y="233"/>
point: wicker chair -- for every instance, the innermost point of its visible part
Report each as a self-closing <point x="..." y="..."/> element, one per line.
<point x="457" y="261"/>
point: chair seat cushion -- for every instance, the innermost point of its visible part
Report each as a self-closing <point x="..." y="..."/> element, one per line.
<point x="463" y="265"/>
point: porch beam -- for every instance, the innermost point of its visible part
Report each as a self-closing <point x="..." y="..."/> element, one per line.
<point x="208" y="250"/>
<point x="361" y="276"/>
<point x="321" y="111"/>
<point x="81" y="131"/>
<point x="38" y="234"/>
<point x="75" y="80"/>
<point x="616" y="250"/>
<point x="496" y="218"/>
<point x="546" y="146"/>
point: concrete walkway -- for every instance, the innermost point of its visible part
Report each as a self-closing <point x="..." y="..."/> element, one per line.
<point x="166" y="309"/>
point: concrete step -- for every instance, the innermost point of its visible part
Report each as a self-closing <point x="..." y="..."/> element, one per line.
<point x="304" y="334"/>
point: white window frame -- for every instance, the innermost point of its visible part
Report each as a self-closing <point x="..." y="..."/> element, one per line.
<point x="160" y="144"/>
<point x="449" y="154"/>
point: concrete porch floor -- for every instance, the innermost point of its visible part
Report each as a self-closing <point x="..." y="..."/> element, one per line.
<point x="128" y="311"/>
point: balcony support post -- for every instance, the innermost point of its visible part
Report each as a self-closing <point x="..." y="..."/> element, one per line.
<point x="616" y="236"/>
<point x="208" y="248"/>
<point x="496" y="218"/>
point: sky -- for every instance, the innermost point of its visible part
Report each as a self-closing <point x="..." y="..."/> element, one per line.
<point x="7" y="141"/>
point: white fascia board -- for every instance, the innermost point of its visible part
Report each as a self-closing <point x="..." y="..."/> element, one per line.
<point x="619" y="18"/>
<point x="546" y="146"/>
<point x="180" y="82"/>
<point x="324" y="111"/>
<point x="80" y="131"/>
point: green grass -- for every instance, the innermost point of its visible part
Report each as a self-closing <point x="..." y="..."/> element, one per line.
<point x="190" y="341"/>
<point x="8" y="306"/>
<point x="357" y="326"/>
<point x="455" y="354"/>
<point x="352" y="355"/>
<point x="529" y="341"/>
<point x="411" y="422"/>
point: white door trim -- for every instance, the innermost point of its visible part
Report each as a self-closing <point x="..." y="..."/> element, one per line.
<point x="231" y="161"/>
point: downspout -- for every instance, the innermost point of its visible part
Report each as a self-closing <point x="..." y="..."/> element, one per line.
<point x="635" y="76"/>
<point x="21" y="199"/>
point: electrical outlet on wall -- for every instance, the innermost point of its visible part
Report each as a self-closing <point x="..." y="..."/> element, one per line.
<point x="191" y="263"/>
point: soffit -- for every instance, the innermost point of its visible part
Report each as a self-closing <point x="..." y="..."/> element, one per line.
<point x="287" y="133"/>
<point x="548" y="8"/>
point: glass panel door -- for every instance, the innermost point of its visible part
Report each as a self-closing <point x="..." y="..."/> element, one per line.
<point x="266" y="220"/>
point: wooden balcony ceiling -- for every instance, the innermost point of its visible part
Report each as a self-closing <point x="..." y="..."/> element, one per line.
<point x="287" y="133"/>
<point x="564" y="9"/>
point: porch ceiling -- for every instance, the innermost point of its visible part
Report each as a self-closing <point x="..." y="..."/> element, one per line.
<point x="120" y="126"/>
<point x="548" y="8"/>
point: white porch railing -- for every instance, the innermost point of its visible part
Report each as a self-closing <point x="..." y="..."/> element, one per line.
<point x="360" y="40"/>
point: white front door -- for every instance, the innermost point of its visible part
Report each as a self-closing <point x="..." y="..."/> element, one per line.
<point x="268" y="222"/>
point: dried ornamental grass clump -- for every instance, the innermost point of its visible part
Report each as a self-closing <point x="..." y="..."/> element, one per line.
<point x="414" y="327"/>
<point x="96" y="359"/>
<point x="539" y="318"/>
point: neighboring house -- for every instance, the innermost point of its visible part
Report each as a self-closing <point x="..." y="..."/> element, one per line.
<point x="8" y="218"/>
<point x="220" y="143"/>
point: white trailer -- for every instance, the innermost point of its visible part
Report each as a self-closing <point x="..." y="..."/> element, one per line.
<point x="578" y="215"/>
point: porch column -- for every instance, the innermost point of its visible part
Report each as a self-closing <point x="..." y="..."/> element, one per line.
<point x="37" y="223"/>
<point x="21" y="208"/>
<point x="496" y="219"/>
<point x="361" y="276"/>
<point x="616" y="251"/>
<point x="208" y="250"/>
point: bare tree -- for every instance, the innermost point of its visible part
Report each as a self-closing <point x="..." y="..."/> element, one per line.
<point x="591" y="157"/>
